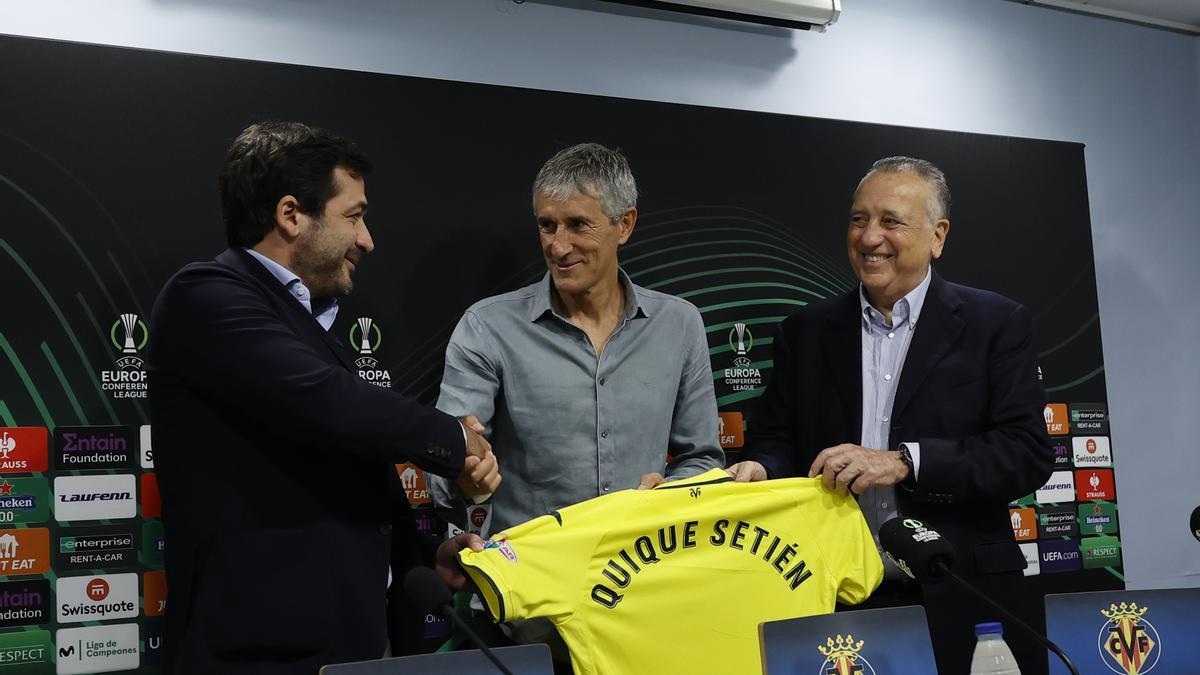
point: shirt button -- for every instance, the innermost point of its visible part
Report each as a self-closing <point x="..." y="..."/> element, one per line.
<point x="885" y="419"/>
<point x="299" y="290"/>
<point x="602" y="382"/>
<point x="604" y="434"/>
<point x="883" y="505"/>
<point x="888" y="377"/>
<point x="607" y="487"/>
<point x="891" y="335"/>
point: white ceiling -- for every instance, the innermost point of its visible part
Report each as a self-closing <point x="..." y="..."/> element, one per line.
<point x="1180" y="15"/>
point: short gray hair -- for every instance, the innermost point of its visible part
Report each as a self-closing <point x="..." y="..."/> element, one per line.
<point x="939" y="190"/>
<point x="591" y="169"/>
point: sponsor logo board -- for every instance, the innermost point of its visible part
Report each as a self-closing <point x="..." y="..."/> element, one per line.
<point x="78" y="498"/>
<point x="24" y="603"/>
<point x="1060" y="488"/>
<point x="1062" y="453"/>
<point x="1094" y="484"/>
<point x="24" y="551"/>
<point x="1091" y="451"/>
<point x="26" y="652"/>
<point x="1097" y="518"/>
<point x="1032" y="560"/>
<point x="146" y="450"/>
<point x="1089" y="419"/>
<point x="1057" y="521"/>
<point x="1024" y="523"/>
<point x="730" y="427"/>
<point x="154" y="543"/>
<point x="24" y="449"/>
<point x="97" y="598"/>
<point x="1100" y="552"/>
<point x="24" y="500"/>
<point x="1059" y="555"/>
<point x="1056" y="418"/>
<point x="95" y="548"/>
<point x="85" y="448"/>
<point x="155" y="593"/>
<point x="97" y="649"/>
<point x="151" y="501"/>
<point x="413" y="480"/>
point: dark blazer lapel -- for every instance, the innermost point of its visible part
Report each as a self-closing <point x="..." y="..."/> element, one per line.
<point x="937" y="329"/>
<point x="246" y="264"/>
<point x="842" y="351"/>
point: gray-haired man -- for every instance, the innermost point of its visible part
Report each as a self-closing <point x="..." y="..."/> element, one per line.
<point x="584" y="382"/>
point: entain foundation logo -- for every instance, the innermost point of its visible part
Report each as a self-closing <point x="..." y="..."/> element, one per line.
<point x="366" y="337"/>
<point x="1128" y="643"/>
<point x="742" y="376"/>
<point x="128" y="378"/>
<point x="843" y="656"/>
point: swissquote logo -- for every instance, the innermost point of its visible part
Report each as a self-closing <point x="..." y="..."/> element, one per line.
<point x="94" y="497"/>
<point x="1091" y="451"/>
<point x="742" y="376"/>
<point x="1128" y="643"/>
<point x="99" y="598"/>
<point x="366" y="337"/>
<point x="128" y="379"/>
<point x="844" y="657"/>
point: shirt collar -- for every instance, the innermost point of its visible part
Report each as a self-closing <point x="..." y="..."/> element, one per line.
<point x="906" y="308"/>
<point x="293" y="284"/>
<point x="540" y="304"/>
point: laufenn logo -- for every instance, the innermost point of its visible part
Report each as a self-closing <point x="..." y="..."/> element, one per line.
<point x="94" y="497"/>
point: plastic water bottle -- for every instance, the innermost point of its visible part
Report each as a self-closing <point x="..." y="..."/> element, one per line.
<point x="992" y="655"/>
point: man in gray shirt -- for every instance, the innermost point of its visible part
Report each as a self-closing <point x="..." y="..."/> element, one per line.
<point x="583" y="382"/>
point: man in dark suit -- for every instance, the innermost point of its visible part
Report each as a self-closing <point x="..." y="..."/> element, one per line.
<point x="920" y="396"/>
<point x="275" y="460"/>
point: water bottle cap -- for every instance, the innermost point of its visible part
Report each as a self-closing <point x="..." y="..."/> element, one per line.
<point x="991" y="628"/>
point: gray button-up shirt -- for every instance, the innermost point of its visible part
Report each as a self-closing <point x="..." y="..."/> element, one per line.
<point x="884" y="348"/>
<point x="567" y="426"/>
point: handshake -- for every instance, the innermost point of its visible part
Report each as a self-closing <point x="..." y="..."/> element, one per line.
<point x="481" y="474"/>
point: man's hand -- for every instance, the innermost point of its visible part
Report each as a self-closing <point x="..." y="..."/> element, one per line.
<point x="649" y="480"/>
<point x="446" y="559"/>
<point x="857" y="468"/>
<point x="481" y="473"/>
<point x="748" y="471"/>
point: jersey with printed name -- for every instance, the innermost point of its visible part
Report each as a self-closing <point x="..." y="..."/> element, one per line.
<point x="677" y="579"/>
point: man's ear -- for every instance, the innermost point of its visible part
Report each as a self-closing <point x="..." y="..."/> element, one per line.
<point x="287" y="217"/>
<point x="941" y="230"/>
<point x="626" y="223"/>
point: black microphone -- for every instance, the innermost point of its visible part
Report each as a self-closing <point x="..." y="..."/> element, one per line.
<point x="425" y="588"/>
<point x="1196" y="523"/>
<point x="923" y="554"/>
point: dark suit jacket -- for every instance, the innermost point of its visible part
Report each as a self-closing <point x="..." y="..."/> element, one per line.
<point x="968" y="393"/>
<point x="275" y="464"/>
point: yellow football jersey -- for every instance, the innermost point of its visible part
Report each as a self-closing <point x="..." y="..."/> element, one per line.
<point x="677" y="579"/>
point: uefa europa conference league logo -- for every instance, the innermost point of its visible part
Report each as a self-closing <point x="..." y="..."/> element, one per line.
<point x="742" y="377"/>
<point x="128" y="379"/>
<point x="366" y="337"/>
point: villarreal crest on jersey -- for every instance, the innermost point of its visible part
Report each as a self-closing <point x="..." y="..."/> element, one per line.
<point x="678" y="578"/>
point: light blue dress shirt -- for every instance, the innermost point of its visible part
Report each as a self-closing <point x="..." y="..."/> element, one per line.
<point x="884" y="349"/>
<point x="324" y="316"/>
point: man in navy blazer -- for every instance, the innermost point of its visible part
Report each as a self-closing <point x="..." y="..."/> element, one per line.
<point x="275" y="460"/>
<point x="920" y="396"/>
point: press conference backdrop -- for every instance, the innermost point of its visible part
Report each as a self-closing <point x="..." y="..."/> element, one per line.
<point x="108" y="163"/>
